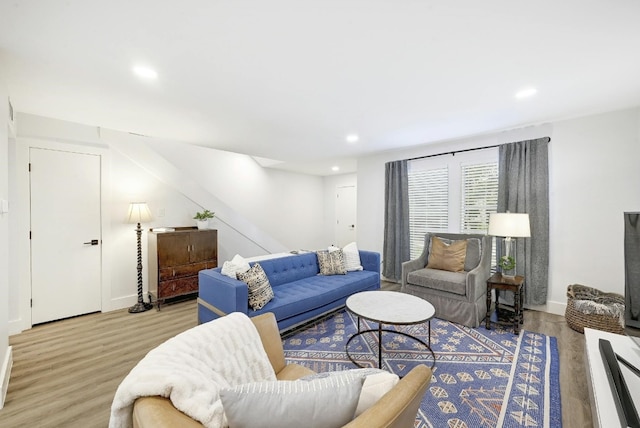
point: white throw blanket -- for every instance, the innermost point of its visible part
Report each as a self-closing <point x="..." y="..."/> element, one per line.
<point x="192" y="367"/>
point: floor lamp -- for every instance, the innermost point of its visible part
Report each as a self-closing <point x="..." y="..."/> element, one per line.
<point x="139" y="213"/>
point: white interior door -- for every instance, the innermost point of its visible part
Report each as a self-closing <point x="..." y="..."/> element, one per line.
<point x="346" y="203"/>
<point x="65" y="219"/>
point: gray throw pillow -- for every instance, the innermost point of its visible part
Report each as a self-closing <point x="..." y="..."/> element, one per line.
<point x="321" y="403"/>
<point x="260" y="291"/>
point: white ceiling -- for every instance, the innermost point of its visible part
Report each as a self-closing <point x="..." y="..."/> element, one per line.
<point x="287" y="80"/>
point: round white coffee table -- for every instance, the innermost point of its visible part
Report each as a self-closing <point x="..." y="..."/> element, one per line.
<point x="392" y="308"/>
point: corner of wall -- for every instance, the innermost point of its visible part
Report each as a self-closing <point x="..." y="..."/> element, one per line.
<point x="5" y="373"/>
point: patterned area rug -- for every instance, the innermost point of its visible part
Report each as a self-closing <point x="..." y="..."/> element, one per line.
<point x="482" y="378"/>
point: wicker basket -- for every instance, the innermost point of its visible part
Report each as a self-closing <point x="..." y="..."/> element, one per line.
<point x="578" y="320"/>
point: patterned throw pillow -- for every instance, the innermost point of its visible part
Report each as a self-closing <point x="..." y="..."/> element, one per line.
<point x="260" y="291"/>
<point x="331" y="262"/>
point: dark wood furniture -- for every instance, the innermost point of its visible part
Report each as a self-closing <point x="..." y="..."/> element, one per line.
<point x="498" y="282"/>
<point x="176" y="257"/>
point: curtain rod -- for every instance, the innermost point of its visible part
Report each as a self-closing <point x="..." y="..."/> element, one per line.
<point x="453" y="153"/>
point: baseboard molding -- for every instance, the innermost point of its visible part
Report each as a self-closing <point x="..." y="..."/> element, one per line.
<point x="17" y="326"/>
<point x="557" y="308"/>
<point x="123" y="302"/>
<point x="5" y="373"/>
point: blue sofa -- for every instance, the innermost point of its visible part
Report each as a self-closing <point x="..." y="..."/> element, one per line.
<point x="301" y="293"/>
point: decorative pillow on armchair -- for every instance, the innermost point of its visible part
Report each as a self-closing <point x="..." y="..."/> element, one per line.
<point x="331" y="262"/>
<point x="321" y="403"/>
<point x="445" y="256"/>
<point x="260" y="291"/>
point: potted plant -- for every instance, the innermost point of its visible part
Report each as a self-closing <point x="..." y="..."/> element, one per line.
<point x="507" y="266"/>
<point x="202" y="218"/>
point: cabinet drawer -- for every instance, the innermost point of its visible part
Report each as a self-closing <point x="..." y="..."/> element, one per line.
<point x="182" y="271"/>
<point x="177" y="287"/>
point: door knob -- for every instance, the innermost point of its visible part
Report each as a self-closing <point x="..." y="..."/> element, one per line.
<point x="92" y="242"/>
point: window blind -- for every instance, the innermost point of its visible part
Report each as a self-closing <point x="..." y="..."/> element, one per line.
<point x="428" y="205"/>
<point x="479" y="194"/>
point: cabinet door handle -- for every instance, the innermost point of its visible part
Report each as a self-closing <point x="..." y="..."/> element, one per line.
<point x="174" y="272"/>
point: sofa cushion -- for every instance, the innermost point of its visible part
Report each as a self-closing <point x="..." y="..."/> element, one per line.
<point x="260" y="291"/>
<point x="292" y="268"/>
<point x="297" y="297"/>
<point x="331" y="262"/>
<point x="327" y="402"/>
<point x="452" y="282"/>
<point x="474" y="252"/>
<point x="445" y="256"/>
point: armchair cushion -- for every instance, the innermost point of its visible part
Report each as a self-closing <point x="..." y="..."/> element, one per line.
<point x="325" y="402"/>
<point x="437" y="279"/>
<point x="447" y="256"/>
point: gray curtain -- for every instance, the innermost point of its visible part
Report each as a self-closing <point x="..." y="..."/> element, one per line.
<point x="523" y="187"/>
<point x="396" y="219"/>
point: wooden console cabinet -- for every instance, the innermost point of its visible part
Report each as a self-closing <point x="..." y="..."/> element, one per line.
<point x="176" y="257"/>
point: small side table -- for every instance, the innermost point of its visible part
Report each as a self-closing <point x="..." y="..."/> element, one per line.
<point x="516" y="286"/>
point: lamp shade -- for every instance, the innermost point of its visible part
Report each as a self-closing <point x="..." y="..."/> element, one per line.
<point x="138" y="213"/>
<point x="514" y="225"/>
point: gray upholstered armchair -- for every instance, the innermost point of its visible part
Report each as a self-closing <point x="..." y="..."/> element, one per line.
<point x="457" y="296"/>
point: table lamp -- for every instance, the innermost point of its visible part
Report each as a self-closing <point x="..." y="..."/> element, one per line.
<point x="139" y="213"/>
<point x="509" y="225"/>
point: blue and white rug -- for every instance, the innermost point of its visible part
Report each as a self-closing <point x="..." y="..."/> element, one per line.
<point x="482" y="378"/>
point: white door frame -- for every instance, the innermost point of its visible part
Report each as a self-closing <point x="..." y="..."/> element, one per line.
<point x="21" y="209"/>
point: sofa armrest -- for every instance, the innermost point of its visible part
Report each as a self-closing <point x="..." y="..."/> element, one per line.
<point x="370" y="260"/>
<point x="225" y="294"/>
<point x="397" y="408"/>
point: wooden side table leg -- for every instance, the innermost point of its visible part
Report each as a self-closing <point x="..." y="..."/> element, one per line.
<point x="522" y="305"/>
<point x="488" y="315"/>
<point x="516" y="315"/>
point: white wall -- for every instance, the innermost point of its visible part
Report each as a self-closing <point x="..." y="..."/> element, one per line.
<point x="593" y="168"/>
<point x="258" y="210"/>
<point x="5" y="351"/>
<point x="594" y="177"/>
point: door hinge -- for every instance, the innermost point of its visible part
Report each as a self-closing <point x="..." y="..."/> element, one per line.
<point x="31" y="302"/>
<point x="29" y="166"/>
<point x="29" y="234"/>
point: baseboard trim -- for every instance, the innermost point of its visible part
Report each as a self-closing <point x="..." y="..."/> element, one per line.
<point x="557" y="308"/>
<point x="5" y="374"/>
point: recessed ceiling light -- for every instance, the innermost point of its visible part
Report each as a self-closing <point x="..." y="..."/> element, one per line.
<point x="145" y="72"/>
<point x="352" y="138"/>
<point x="335" y="168"/>
<point x="525" y="93"/>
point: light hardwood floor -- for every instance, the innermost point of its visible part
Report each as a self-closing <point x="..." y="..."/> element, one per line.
<point x="65" y="373"/>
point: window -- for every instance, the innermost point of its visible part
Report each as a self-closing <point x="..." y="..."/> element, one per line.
<point x="479" y="196"/>
<point x="428" y="205"/>
<point x="451" y="194"/>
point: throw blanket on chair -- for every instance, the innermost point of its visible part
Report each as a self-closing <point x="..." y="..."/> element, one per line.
<point x="192" y="367"/>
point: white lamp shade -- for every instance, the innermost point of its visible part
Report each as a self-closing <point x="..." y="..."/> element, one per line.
<point x="138" y="213"/>
<point x="514" y="225"/>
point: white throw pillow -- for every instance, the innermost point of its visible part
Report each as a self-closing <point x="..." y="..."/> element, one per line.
<point x="321" y="403"/>
<point x="237" y="265"/>
<point x="377" y="382"/>
<point x="351" y="257"/>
